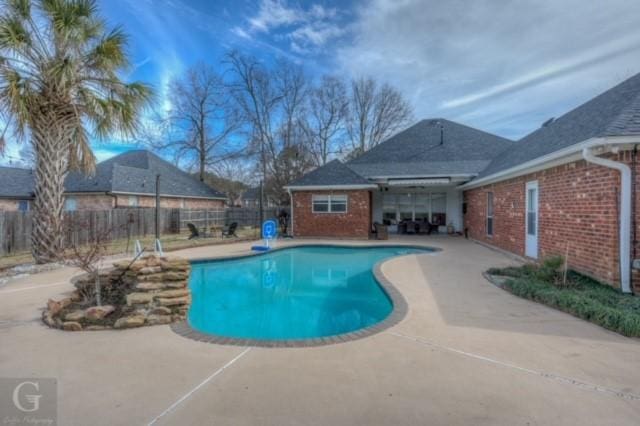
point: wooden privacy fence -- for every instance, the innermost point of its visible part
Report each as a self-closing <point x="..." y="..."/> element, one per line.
<point x="82" y="226"/>
<point x="245" y="216"/>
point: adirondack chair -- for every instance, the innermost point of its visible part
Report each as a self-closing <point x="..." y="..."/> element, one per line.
<point x="230" y="231"/>
<point x="193" y="230"/>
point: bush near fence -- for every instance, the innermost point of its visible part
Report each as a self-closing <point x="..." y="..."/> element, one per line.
<point x="15" y="227"/>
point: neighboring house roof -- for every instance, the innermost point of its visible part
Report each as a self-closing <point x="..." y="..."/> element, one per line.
<point x="431" y="147"/>
<point x="135" y="172"/>
<point x="16" y="183"/>
<point x="334" y="174"/>
<point x="615" y="112"/>
<point x="251" y="194"/>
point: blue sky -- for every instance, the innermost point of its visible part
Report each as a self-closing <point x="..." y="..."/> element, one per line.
<point x="499" y="65"/>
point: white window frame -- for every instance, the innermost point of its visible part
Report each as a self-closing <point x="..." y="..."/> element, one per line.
<point x="27" y="203"/>
<point x="490" y="214"/>
<point x="70" y="204"/>
<point x="329" y="200"/>
<point x="134" y="201"/>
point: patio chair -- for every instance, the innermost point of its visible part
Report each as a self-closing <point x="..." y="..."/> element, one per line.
<point x="411" y="227"/>
<point x="193" y="230"/>
<point x="230" y="231"/>
<point x="380" y="231"/>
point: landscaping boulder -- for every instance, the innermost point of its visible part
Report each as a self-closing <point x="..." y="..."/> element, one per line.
<point x="95" y="313"/>
<point x="75" y="315"/>
<point x="148" y="291"/>
<point x="71" y="326"/>
<point x="130" y="322"/>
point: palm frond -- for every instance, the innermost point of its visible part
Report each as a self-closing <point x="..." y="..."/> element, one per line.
<point x="13" y="34"/>
<point x="81" y="156"/>
<point x="109" y="54"/>
<point x="16" y="96"/>
<point x="20" y="8"/>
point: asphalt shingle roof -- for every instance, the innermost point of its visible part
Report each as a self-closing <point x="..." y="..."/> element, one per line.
<point x="135" y="172"/>
<point x="16" y="182"/>
<point x="332" y="173"/>
<point x="130" y="172"/>
<point x="252" y="193"/>
<point x="615" y="112"/>
<point x="423" y="149"/>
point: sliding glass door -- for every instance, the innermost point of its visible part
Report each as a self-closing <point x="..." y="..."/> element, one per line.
<point x="415" y="206"/>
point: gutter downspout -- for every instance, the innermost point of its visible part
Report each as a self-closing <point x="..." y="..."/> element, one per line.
<point x="292" y="208"/>
<point x="625" y="214"/>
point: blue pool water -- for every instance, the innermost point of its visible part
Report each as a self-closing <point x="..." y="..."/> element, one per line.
<point x="293" y="293"/>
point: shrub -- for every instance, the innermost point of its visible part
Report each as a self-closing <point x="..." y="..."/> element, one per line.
<point x="583" y="297"/>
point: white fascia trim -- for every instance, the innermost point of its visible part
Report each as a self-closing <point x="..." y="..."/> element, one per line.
<point x="422" y="176"/>
<point x="556" y="158"/>
<point x="167" y="195"/>
<point x="329" y="187"/>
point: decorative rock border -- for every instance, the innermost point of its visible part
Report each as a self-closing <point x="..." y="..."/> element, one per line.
<point x="398" y="313"/>
<point x="149" y="291"/>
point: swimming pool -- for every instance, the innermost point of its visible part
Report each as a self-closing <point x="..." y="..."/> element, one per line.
<point x="292" y="293"/>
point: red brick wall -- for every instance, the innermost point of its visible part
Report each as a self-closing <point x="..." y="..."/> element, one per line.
<point x="578" y="205"/>
<point x="172" y="202"/>
<point x="355" y="223"/>
<point x="10" y="205"/>
<point x="94" y="202"/>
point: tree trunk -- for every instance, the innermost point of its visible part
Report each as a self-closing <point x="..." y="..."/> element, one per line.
<point x="51" y="138"/>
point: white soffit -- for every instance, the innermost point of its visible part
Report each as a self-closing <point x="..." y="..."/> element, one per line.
<point x="419" y="182"/>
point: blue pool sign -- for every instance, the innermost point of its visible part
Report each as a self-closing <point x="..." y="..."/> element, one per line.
<point x="269" y="229"/>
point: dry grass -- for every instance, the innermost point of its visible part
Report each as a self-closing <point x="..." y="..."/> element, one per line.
<point x="170" y="242"/>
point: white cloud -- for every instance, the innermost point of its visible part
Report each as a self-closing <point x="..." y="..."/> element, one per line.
<point x="497" y="65"/>
<point x="275" y="13"/>
<point x="305" y="29"/>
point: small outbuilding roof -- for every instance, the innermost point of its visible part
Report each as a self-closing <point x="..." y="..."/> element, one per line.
<point x="334" y="174"/>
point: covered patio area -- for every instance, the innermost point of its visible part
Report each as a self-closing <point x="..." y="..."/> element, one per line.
<point x="418" y="206"/>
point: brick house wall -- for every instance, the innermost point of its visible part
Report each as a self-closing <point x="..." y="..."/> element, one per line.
<point x="578" y="205"/>
<point x="355" y="223"/>
<point x="171" y="202"/>
<point x="11" y="205"/>
<point x="94" y="202"/>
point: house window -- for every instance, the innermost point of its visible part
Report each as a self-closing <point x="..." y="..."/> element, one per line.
<point x="489" y="213"/>
<point x="23" y="205"/>
<point x="133" y="201"/>
<point x="329" y="203"/>
<point x="70" y="204"/>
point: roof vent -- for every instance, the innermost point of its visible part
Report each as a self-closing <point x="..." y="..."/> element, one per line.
<point x="441" y="125"/>
<point x="548" y="122"/>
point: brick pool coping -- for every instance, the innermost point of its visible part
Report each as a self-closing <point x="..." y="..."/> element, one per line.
<point x="398" y="313"/>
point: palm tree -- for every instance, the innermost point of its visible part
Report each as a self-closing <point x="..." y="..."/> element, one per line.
<point x="59" y="83"/>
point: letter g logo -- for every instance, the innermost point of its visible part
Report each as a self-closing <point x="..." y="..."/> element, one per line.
<point x="34" y="400"/>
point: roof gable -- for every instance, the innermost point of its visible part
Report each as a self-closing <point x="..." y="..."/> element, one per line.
<point x="434" y="146"/>
<point x="333" y="173"/>
<point x="135" y="172"/>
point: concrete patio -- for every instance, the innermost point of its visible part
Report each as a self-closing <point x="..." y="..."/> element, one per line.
<point x="467" y="353"/>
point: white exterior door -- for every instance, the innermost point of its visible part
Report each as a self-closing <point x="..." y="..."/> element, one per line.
<point x="531" y="220"/>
